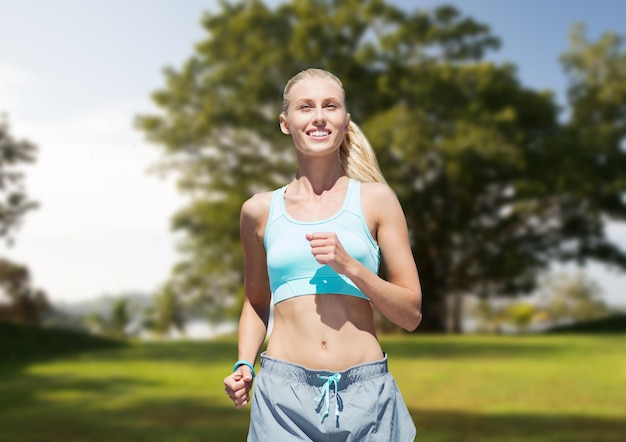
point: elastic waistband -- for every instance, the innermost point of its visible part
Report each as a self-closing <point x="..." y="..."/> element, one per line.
<point x="302" y="374"/>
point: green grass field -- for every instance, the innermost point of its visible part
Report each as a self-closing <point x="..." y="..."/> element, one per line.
<point x="458" y="388"/>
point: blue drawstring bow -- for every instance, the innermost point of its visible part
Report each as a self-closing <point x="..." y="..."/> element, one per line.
<point x="333" y="379"/>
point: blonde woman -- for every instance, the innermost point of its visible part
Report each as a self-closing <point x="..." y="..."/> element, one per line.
<point x="313" y="249"/>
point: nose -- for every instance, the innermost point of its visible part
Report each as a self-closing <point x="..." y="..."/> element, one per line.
<point x="319" y="117"/>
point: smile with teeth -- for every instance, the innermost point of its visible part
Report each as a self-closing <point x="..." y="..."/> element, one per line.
<point x="319" y="133"/>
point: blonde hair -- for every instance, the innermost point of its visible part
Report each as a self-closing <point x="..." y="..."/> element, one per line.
<point x="357" y="157"/>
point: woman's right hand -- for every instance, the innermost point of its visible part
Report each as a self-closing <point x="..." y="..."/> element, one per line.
<point x="238" y="385"/>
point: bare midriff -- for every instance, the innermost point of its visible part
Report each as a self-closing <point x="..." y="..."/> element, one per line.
<point x="324" y="332"/>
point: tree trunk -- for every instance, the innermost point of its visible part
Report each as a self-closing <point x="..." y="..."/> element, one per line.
<point x="456" y="313"/>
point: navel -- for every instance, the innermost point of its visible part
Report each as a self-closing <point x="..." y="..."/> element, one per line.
<point x="323" y="345"/>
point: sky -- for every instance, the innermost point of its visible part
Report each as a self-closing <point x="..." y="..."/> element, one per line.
<point x="73" y="76"/>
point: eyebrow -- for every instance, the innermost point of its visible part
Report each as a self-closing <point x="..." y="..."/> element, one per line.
<point x="326" y="99"/>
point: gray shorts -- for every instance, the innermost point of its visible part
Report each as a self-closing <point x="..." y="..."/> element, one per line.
<point x="293" y="403"/>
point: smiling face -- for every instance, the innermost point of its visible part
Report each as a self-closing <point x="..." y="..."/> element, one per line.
<point x="315" y="116"/>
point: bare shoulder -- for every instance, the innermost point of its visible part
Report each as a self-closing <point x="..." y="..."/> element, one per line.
<point x="377" y="191"/>
<point x="255" y="209"/>
<point x="381" y="208"/>
<point x="257" y="205"/>
<point x="378" y="197"/>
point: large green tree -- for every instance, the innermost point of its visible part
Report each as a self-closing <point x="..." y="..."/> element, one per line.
<point x="483" y="166"/>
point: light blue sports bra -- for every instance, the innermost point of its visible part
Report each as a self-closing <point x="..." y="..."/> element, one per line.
<point x="292" y="268"/>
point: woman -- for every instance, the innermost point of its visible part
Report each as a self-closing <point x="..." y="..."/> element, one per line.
<point x="312" y="248"/>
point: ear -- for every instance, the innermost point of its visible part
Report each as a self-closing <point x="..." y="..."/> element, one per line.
<point x="347" y="122"/>
<point x="284" y="125"/>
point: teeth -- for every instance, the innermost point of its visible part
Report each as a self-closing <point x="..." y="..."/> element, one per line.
<point x="319" y="133"/>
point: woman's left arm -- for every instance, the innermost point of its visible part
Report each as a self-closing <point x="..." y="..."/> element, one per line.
<point x="399" y="297"/>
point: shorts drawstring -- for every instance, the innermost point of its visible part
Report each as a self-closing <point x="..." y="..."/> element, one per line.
<point x="333" y="379"/>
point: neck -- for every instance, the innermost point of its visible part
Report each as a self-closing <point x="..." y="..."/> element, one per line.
<point x="320" y="175"/>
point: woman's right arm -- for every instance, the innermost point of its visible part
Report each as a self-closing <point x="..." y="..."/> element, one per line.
<point x="256" y="305"/>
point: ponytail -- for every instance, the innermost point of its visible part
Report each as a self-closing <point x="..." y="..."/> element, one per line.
<point x="358" y="160"/>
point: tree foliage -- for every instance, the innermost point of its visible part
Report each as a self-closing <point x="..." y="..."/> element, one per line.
<point x="116" y="323"/>
<point x="14" y="202"/>
<point x="166" y="314"/>
<point x="26" y="304"/>
<point x="23" y="303"/>
<point x="494" y="186"/>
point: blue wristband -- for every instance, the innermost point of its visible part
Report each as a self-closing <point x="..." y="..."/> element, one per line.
<point x="241" y="362"/>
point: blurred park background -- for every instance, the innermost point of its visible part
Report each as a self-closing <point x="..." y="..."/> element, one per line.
<point x="132" y="132"/>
